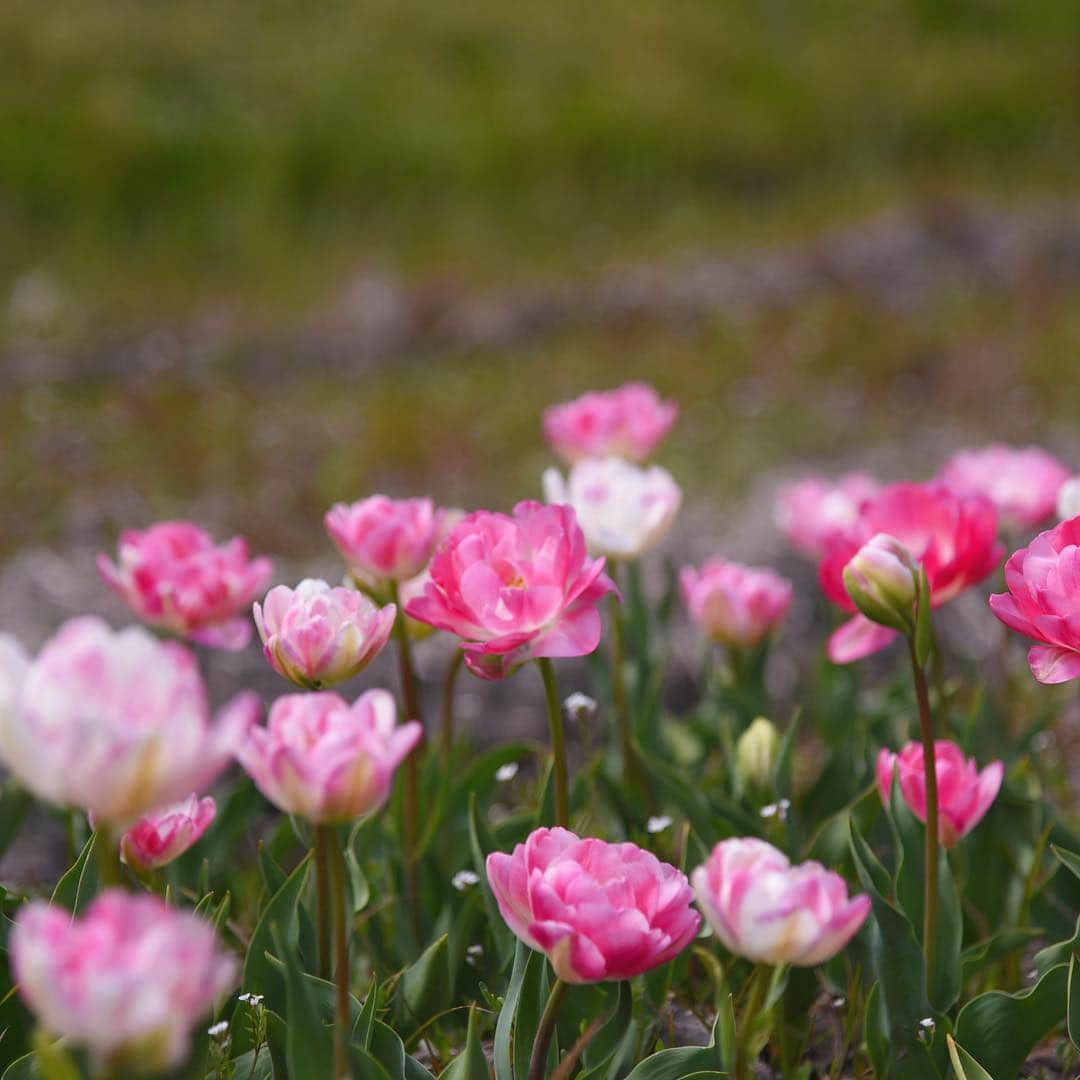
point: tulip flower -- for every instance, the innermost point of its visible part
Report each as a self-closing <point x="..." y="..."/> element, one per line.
<point x="127" y="979"/>
<point x="326" y="760"/>
<point x="174" y="578"/>
<point x="317" y="636"/>
<point x="1043" y="601"/>
<point x="814" y="512"/>
<point x="732" y="604"/>
<point x="768" y="911"/>
<point x="117" y="724"/>
<point x="756" y="751"/>
<point x="158" y="838"/>
<point x="629" y="422"/>
<point x="964" y="793"/>
<point x="1023" y="484"/>
<point x="882" y="581"/>
<point x="622" y="509"/>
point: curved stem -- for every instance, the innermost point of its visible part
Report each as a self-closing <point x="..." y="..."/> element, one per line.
<point x="538" y="1061"/>
<point x="448" y="704"/>
<point x="322" y="894"/>
<point x="341" y="953"/>
<point x="558" y="743"/>
<point x="926" y="730"/>
<point x="107" y="856"/>
<point x="759" y="983"/>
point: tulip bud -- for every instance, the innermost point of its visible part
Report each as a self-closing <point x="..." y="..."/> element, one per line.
<point x="882" y="581"/>
<point x="756" y="752"/>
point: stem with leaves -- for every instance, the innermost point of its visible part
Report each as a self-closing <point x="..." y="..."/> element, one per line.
<point x="452" y="671"/>
<point x="760" y="978"/>
<point x="107" y="855"/>
<point x="558" y="743"/>
<point x="340" y="890"/>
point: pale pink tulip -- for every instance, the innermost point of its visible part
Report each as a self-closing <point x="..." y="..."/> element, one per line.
<point x="115" y="723"/>
<point x="814" y="511"/>
<point x="127" y="980"/>
<point x="734" y="604"/>
<point x="326" y="760"/>
<point x="770" y="912"/>
<point x="629" y="422"/>
<point x="317" y="636"/>
<point x="599" y="911"/>
<point x="158" y="838"/>
<point x="515" y="588"/>
<point x="1022" y="484"/>
<point x="964" y="793"/>
<point x="174" y="578"/>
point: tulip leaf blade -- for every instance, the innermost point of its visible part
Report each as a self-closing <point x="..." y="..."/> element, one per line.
<point x="504" y="1069"/>
<point x="1069" y="859"/>
<point x="964" y="1065"/>
<point x="79" y="882"/>
<point x="470" y="1064"/>
<point x="684" y="1062"/>
<point x="426" y="985"/>
<point x="1072" y="1001"/>
<point x="308" y="1045"/>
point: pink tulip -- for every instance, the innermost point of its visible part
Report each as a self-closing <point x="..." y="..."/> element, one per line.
<point x="115" y="723"/>
<point x="317" y="636"/>
<point x="814" y="512"/>
<point x="964" y="793"/>
<point x="326" y="760"/>
<point x="622" y="509"/>
<point x="953" y="537"/>
<point x="734" y="604"/>
<point x="173" y="577"/>
<point x="599" y="911"/>
<point x="384" y="540"/>
<point x="515" y="588"/>
<point x="158" y="838"/>
<point x="1023" y="484"/>
<point x="629" y="422"/>
<point x="128" y="979"/>
<point x="1043" y="601"/>
<point x="768" y="911"/>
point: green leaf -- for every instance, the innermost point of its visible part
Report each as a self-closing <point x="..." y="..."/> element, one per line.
<point x="79" y="883"/>
<point x="470" y="1064"/>
<point x="53" y="1061"/>
<point x="504" y="1069"/>
<point x="1058" y="953"/>
<point x="683" y="1062"/>
<point x="1069" y="859"/>
<point x="534" y="992"/>
<point x="482" y="843"/>
<point x="983" y="953"/>
<point x="1072" y="1002"/>
<point x="606" y="1055"/>
<point x="1000" y="1029"/>
<point x="964" y="1065"/>
<point x="23" y="1068"/>
<point x="14" y="803"/>
<point x="425" y="986"/>
<point x="308" y="1043"/>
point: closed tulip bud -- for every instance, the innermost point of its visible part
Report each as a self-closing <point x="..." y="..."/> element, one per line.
<point x="158" y="838"/>
<point x="882" y="581"/>
<point x="755" y="754"/>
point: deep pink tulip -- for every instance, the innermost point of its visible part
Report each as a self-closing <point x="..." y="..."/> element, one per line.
<point x="515" y="588"/>
<point x="814" y="512"/>
<point x="158" y="838"/>
<point x="317" y="636"/>
<point x="175" y="578"/>
<point x="734" y="604"/>
<point x="768" y="911"/>
<point x="599" y="911"/>
<point x="127" y="979"/>
<point x="326" y="760"/>
<point x="629" y="422"/>
<point x="1022" y="484"/>
<point x="964" y="793"/>
<point x="1043" y="601"/>
<point x="954" y="538"/>
<point x="117" y="724"/>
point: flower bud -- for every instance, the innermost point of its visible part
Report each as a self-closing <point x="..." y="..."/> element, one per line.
<point x="882" y="581"/>
<point x="756" y="752"/>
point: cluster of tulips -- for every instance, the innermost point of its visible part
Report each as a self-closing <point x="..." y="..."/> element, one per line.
<point x="114" y="729"/>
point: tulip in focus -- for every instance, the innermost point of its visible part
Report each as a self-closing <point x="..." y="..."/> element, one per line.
<point x="622" y="509"/>
<point x="158" y="838"/>
<point x="599" y="911"/>
<point x="515" y="588"/>
<point x="1022" y="484"/>
<point x="174" y="578"/>
<point x="755" y="754"/>
<point x="1068" y="500"/>
<point x="629" y="423"/>
<point x="964" y="793"/>
<point x="770" y="912"/>
<point x="127" y="980"/>
<point x="116" y="724"/>
<point x="325" y="760"/>
<point x="882" y="581"/>
<point x="814" y="512"/>
<point x="317" y="636"/>
<point x="733" y="604"/>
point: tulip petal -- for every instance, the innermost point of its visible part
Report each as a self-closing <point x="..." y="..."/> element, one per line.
<point x="858" y="638"/>
<point x="1052" y="664"/>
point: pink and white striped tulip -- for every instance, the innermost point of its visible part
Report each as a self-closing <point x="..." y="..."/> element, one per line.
<point x="326" y="760"/>
<point x="964" y="793"/>
<point x="515" y="588"/>
<point x="117" y="724"/>
<point x="175" y="578"/>
<point x="768" y="911"/>
<point x="127" y="980"/>
<point x="164" y="835"/>
<point x="599" y="911"/>
<point x="733" y="604"/>
<point x="316" y="635"/>
<point x="629" y="422"/>
<point x="1022" y="484"/>
<point x="622" y="509"/>
<point x="814" y="512"/>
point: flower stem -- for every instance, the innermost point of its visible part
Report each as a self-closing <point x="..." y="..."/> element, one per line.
<point x="324" y="837"/>
<point x="107" y="855"/>
<point x="926" y="729"/>
<point x="558" y="743"/>
<point x="538" y="1061"/>
<point x="759" y="983"/>
<point x="341" y="951"/>
<point x="448" y="705"/>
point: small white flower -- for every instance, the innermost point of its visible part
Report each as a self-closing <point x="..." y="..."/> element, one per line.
<point x="252" y="999"/>
<point x="463" y="879"/>
<point x="778" y="809"/>
<point x="473" y="953"/>
<point x="770" y="810"/>
<point x="839" y="1002"/>
<point x="657" y="824"/>
<point x="927" y="1027"/>
<point x="506" y="772"/>
<point x="218" y="1030"/>
<point x="579" y="706"/>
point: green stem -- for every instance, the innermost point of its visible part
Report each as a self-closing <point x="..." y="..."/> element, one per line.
<point x="107" y="854"/>
<point x="926" y="730"/>
<point x="558" y="743"/>
<point x="324" y="838"/>
<point x="759" y="983"/>
<point x="341" y="954"/>
<point x="448" y="705"/>
<point x="538" y="1061"/>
